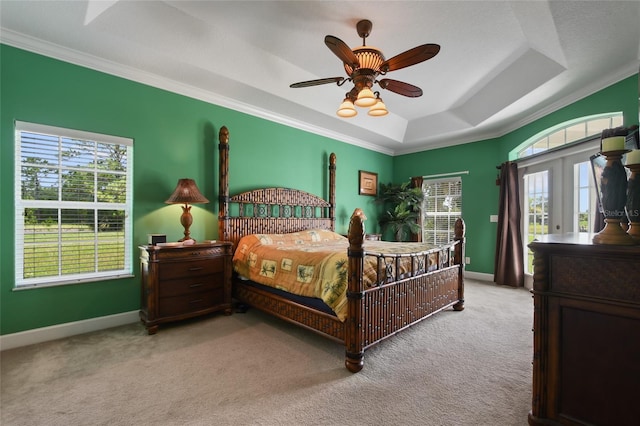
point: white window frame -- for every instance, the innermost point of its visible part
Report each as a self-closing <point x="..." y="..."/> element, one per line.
<point x="60" y="279"/>
<point x="593" y="125"/>
<point x="451" y="216"/>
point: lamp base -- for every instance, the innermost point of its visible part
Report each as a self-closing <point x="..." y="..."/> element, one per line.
<point x="612" y="233"/>
<point x="634" y="231"/>
<point x="186" y="220"/>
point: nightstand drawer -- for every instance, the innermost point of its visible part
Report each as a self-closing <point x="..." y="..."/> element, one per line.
<point x="187" y="253"/>
<point x="171" y="270"/>
<point x="184" y="286"/>
<point x="190" y="303"/>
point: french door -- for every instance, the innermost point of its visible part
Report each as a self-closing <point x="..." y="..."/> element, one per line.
<point x="557" y="195"/>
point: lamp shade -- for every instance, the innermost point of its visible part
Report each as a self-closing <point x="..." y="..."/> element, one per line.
<point x="366" y="98"/>
<point x="347" y="109"/>
<point x="378" y="109"/>
<point x="186" y="192"/>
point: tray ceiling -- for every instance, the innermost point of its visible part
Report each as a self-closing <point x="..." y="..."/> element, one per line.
<point x="502" y="63"/>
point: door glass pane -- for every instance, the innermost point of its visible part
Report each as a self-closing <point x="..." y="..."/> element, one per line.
<point x="584" y="197"/>
<point x="536" y="195"/>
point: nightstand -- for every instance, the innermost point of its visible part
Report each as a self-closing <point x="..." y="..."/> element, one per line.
<point x="184" y="281"/>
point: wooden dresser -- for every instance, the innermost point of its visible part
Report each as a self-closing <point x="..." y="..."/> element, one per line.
<point x="180" y="282"/>
<point x="586" y="360"/>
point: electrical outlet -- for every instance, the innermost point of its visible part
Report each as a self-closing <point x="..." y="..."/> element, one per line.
<point x="467" y="260"/>
<point x="493" y="218"/>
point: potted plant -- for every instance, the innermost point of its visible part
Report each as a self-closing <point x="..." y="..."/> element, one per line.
<point x="402" y="205"/>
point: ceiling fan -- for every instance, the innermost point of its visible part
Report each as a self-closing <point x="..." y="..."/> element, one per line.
<point x="363" y="65"/>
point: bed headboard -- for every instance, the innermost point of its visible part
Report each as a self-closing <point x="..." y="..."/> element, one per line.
<point x="270" y="210"/>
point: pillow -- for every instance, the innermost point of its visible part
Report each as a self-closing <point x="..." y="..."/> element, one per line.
<point x="300" y="237"/>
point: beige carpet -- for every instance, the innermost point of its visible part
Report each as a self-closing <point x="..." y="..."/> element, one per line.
<point x="457" y="368"/>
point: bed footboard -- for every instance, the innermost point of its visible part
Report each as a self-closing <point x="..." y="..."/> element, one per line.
<point x="381" y="311"/>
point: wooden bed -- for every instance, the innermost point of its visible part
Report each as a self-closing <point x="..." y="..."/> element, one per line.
<point x="373" y="313"/>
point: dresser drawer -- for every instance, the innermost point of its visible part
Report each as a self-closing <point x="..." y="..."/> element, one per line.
<point x="171" y="270"/>
<point x="190" y="303"/>
<point x="187" y="285"/>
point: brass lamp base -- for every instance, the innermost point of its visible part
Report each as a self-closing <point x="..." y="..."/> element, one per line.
<point x="634" y="231"/>
<point x="186" y="220"/>
<point x="613" y="234"/>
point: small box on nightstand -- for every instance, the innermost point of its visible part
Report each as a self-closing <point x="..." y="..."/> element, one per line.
<point x="154" y="239"/>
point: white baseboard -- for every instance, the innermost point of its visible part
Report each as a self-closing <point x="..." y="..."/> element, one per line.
<point x="59" y="331"/>
<point x="479" y="276"/>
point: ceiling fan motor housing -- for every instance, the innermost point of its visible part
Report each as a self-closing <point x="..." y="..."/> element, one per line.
<point x="368" y="57"/>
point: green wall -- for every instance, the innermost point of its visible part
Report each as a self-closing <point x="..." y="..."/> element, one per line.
<point x="479" y="191"/>
<point x="174" y="137"/>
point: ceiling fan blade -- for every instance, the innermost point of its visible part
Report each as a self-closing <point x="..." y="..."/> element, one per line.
<point x="411" y="57"/>
<point x="342" y="51"/>
<point x="318" y="82"/>
<point x="401" y="88"/>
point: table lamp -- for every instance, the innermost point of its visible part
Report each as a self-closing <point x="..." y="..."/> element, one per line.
<point x="186" y="193"/>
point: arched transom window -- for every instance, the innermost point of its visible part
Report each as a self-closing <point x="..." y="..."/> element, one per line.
<point x="568" y="132"/>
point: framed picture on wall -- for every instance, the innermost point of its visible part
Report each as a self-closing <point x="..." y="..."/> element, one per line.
<point x="368" y="183"/>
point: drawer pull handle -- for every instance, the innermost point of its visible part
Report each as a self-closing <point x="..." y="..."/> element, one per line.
<point x="196" y="285"/>
<point x="196" y="301"/>
<point x="195" y="268"/>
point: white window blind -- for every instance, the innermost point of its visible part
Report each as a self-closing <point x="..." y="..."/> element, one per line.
<point x="441" y="206"/>
<point x="73" y="199"/>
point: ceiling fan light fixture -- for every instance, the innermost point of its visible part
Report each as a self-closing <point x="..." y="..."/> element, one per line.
<point x="346" y="109"/>
<point x="378" y="109"/>
<point x="368" y="58"/>
<point x="363" y="65"/>
<point x="366" y="98"/>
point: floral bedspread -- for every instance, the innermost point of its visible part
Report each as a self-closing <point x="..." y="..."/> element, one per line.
<point x="311" y="263"/>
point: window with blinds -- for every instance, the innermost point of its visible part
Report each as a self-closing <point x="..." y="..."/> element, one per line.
<point x="73" y="199"/>
<point x="441" y="206"/>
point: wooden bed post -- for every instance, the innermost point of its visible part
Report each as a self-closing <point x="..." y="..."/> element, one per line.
<point x="223" y="184"/>
<point x="332" y="190"/>
<point x="458" y="259"/>
<point x="354" y="344"/>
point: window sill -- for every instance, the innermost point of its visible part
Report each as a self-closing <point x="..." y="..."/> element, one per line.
<point x="71" y="282"/>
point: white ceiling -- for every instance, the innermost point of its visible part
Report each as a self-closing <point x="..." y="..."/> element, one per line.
<point x="501" y="65"/>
